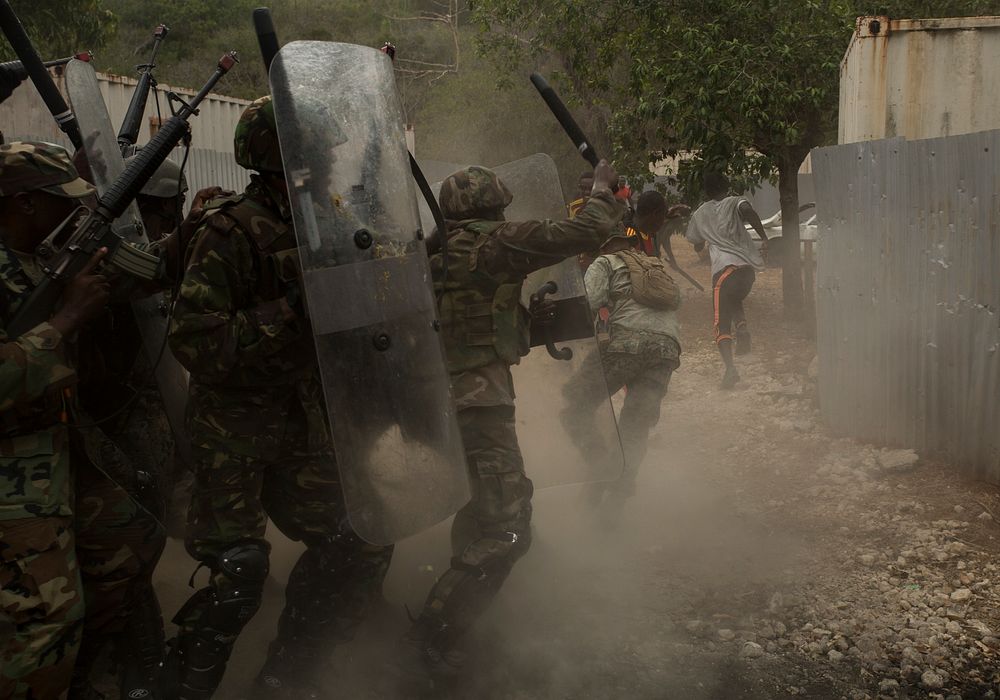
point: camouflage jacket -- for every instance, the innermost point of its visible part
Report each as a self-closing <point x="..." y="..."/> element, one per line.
<point x="251" y="368"/>
<point x="482" y="317"/>
<point x="36" y="374"/>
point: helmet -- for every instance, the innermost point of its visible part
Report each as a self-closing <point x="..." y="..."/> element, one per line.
<point x="256" y="140"/>
<point x="473" y="192"/>
<point x="164" y="182"/>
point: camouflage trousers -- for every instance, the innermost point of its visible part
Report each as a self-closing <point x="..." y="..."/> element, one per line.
<point x="645" y="372"/>
<point x="334" y="581"/>
<point x="494" y="529"/>
<point x="64" y="581"/>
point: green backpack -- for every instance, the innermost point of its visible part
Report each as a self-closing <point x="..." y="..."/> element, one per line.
<point x="651" y="285"/>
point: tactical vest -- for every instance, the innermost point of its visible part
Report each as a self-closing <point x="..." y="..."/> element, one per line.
<point x="482" y="319"/>
<point x="273" y="240"/>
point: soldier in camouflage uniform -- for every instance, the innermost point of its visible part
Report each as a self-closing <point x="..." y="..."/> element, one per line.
<point x="642" y="353"/>
<point x="486" y="330"/>
<point x="70" y="538"/>
<point x="260" y="444"/>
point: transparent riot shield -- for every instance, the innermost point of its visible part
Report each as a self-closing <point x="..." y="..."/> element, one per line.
<point x="564" y="440"/>
<point x="367" y="285"/>
<point x="150" y="313"/>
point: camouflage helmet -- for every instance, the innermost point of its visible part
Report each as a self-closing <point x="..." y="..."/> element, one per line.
<point x="472" y="192"/>
<point x="26" y="166"/>
<point x="256" y="140"/>
<point x="164" y="183"/>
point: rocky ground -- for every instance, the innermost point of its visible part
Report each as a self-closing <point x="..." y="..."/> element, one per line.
<point x="761" y="558"/>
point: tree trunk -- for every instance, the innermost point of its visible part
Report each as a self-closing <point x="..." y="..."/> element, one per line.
<point x="791" y="262"/>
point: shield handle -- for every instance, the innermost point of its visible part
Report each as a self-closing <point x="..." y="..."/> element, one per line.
<point x="563" y="354"/>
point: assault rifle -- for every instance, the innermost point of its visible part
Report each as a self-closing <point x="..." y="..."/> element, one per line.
<point x="129" y="133"/>
<point x="68" y="249"/>
<point x="39" y="74"/>
<point x="13" y="73"/>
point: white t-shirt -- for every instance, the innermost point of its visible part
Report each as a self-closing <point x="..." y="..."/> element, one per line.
<point x="719" y="224"/>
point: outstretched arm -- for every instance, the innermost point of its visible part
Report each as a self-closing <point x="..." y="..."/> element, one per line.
<point x="750" y="216"/>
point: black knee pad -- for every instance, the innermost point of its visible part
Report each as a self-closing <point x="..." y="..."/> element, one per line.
<point x="213" y="618"/>
<point x="245" y="566"/>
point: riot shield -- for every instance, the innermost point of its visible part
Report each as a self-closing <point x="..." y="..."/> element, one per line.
<point x="150" y="313"/>
<point x="562" y="442"/>
<point x="367" y="286"/>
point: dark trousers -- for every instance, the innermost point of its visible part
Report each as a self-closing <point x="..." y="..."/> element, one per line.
<point x="731" y="286"/>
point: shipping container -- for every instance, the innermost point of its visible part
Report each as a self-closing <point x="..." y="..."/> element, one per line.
<point x="920" y="79"/>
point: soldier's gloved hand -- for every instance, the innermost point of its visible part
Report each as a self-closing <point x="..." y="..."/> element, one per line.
<point x="543" y="313"/>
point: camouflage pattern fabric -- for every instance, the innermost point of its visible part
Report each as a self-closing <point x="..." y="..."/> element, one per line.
<point x="36" y="165"/>
<point x="644" y="363"/>
<point x="480" y="307"/>
<point x="472" y="193"/>
<point x="258" y="425"/>
<point x="482" y="321"/>
<point x="118" y="544"/>
<point x="66" y="539"/>
<point x="494" y="529"/>
<point x="41" y="607"/>
<point x="256" y="140"/>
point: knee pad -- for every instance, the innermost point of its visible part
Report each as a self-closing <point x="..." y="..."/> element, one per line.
<point x="239" y="585"/>
<point x="213" y="618"/>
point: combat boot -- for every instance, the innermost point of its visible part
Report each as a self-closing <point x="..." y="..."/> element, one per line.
<point x="424" y="660"/>
<point x="287" y="674"/>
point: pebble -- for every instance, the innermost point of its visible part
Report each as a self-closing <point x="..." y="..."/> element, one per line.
<point x="727" y="635"/>
<point x="931" y="679"/>
<point x="961" y="595"/>
<point x="888" y="686"/>
<point x="751" y="650"/>
<point x="835" y="656"/>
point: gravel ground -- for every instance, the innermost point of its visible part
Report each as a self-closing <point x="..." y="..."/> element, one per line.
<point x="761" y="558"/>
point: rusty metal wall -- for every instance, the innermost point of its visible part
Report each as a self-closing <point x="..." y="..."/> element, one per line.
<point x="920" y="79"/>
<point x="908" y="295"/>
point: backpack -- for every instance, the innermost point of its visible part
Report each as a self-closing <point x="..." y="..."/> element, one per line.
<point x="651" y="285"/>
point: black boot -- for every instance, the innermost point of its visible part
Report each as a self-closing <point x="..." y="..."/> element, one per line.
<point x="289" y="673"/>
<point x="140" y="650"/>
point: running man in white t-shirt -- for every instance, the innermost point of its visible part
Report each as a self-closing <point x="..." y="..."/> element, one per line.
<point x="719" y="222"/>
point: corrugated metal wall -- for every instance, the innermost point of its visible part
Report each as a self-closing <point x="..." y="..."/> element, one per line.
<point x="24" y="117"/>
<point x="908" y="294"/>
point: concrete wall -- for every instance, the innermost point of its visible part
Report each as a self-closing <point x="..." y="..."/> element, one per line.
<point x="920" y="79"/>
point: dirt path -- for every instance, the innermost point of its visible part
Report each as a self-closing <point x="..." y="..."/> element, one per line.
<point x="760" y="559"/>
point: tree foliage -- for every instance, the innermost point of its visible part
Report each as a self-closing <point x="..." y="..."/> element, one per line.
<point x="63" y="27"/>
<point x="741" y="85"/>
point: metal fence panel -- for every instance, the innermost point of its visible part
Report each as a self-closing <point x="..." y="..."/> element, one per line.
<point x="908" y="291"/>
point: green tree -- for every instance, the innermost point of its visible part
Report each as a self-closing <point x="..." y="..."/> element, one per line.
<point x="63" y="27"/>
<point x="747" y="86"/>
